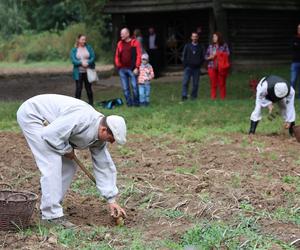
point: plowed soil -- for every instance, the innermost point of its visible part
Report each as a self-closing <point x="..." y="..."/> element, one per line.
<point x="202" y="180"/>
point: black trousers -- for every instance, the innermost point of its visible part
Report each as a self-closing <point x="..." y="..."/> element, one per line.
<point x="155" y="59"/>
<point x="88" y="87"/>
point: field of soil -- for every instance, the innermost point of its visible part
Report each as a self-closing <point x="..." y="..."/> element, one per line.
<point x="228" y="171"/>
<point x="22" y="84"/>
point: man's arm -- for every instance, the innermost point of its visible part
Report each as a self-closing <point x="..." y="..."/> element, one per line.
<point x="117" y="56"/>
<point x="138" y="54"/>
<point x="105" y="173"/>
<point x="106" y="178"/>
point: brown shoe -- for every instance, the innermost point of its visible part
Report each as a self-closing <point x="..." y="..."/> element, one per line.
<point x="61" y="221"/>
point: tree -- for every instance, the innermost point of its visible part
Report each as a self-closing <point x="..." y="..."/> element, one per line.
<point x="12" y="18"/>
<point x="53" y="14"/>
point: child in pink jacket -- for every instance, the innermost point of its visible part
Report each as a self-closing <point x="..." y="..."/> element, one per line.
<point x="146" y="74"/>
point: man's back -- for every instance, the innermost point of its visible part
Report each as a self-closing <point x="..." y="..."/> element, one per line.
<point x="51" y="106"/>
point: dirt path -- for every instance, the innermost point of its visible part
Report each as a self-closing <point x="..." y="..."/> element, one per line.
<point x="61" y="70"/>
<point x="23" y="84"/>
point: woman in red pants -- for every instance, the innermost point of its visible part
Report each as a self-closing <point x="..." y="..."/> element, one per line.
<point x="217" y="55"/>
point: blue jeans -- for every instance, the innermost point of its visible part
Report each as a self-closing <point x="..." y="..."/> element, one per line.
<point x="187" y="74"/>
<point x="144" y="93"/>
<point x="295" y="71"/>
<point x="125" y="75"/>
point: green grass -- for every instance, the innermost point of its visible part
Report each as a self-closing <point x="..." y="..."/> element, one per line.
<point x="8" y="116"/>
<point x="219" y="235"/>
<point x="91" y="238"/>
<point x="85" y="187"/>
<point x="190" y="170"/>
<point x="192" y="120"/>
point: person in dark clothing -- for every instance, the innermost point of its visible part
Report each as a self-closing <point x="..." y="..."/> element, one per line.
<point x="295" y="66"/>
<point x="193" y="57"/>
<point x="153" y="50"/>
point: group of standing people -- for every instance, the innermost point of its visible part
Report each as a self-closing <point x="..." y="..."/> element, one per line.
<point x="133" y="55"/>
<point x="133" y="67"/>
<point x="217" y="58"/>
<point x="132" y="58"/>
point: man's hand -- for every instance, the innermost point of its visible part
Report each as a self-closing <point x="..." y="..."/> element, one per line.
<point x="116" y="211"/>
<point x="287" y="125"/>
<point x="270" y="107"/>
<point x="136" y="71"/>
<point x="70" y="155"/>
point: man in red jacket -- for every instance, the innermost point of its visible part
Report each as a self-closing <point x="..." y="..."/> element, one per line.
<point x="127" y="61"/>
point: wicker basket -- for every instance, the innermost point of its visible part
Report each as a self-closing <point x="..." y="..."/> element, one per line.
<point x="16" y="208"/>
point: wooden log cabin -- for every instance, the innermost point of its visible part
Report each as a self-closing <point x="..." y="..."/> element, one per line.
<point x="257" y="31"/>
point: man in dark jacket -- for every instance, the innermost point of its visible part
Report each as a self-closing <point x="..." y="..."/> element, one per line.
<point x="153" y="45"/>
<point x="193" y="57"/>
<point x="295" y="67"/>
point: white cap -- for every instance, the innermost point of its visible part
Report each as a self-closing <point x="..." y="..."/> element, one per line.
<point x="281" y="89"/>
<point x="145" y="56"/>
<point x="117" y="126"/>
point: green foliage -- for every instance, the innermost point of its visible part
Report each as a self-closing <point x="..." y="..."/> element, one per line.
<point x="12" y="18"/>
<point x="40" y="30"/>
<point x="51" y="45"/>
<point x="52" y="15"/>
<point x="42" y="15"/>
<point x="8" y="119"/>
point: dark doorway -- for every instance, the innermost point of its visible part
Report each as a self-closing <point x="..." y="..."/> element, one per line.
<point x="174" y="29"/>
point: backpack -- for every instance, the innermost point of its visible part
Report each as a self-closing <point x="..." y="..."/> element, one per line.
<point x="110" y="104"/>
<point x="223" y="61"/>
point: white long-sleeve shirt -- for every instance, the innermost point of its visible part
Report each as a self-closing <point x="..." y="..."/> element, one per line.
<point x="286" y="105"/>
<point x="74" y="124"/>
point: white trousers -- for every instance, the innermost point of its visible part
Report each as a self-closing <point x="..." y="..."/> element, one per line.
<point x="56" y="171"/>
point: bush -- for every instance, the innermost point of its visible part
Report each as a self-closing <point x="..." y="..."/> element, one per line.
<point x="52" y="45"/>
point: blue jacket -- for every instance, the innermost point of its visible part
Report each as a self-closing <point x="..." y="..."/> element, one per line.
<point x="77" y="63"/>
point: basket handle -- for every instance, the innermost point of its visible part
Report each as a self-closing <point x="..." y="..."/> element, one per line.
<point x="15" y="194"/>
<point x="6" y="185"/>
